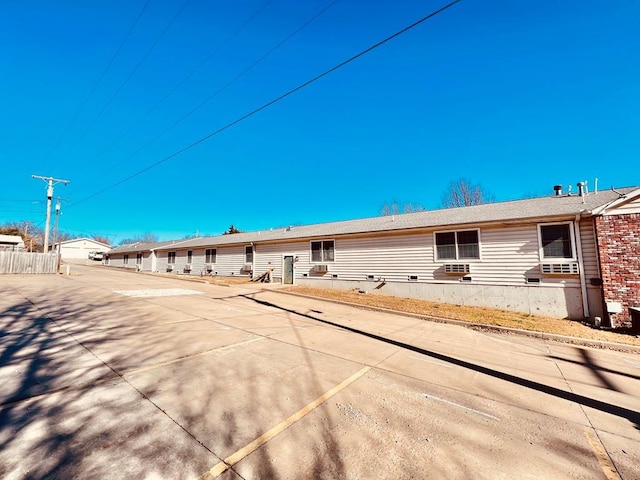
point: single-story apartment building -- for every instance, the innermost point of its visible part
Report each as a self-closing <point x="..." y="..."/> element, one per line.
<point x="566" y="255"/>
<point x="79" y="248"/>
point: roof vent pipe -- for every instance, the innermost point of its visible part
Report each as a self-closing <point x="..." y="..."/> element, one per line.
<point x="558" y="190"/>
<point x="582" y="187"/>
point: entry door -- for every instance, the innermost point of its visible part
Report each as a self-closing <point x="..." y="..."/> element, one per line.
<point x="288" y="269"/>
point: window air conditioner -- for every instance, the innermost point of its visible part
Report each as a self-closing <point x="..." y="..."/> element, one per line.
<point x="187" y="267"/>
<point x="208" y="266"/>
<point x="247" y="267"/>
<point x="169" y="267"/>
<point x="321" y="268"/>
<point x="568" y="268"/>
<point x="457" y="268"/>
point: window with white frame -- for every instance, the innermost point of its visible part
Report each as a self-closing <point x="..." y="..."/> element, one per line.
<point x="171" y="258"/>
<point x="138" y="259"/>
<point x="323" y="251"/>
<point x="248" y="254"/>
<point x="458" y="245"/>
<point x="556" y="241"/>
<point x="125" y="259"/>
<point x="189" y="256"/>
<point x="210" y="255"/>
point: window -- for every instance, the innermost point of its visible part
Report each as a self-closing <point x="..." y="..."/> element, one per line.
<point x="323" y="251"/>
<point x="210" y="255"/>
<point x="138" y="259"/>
<point x="125" y="260"/>
<point x="248" y="254"/>
<point x="556" y="240"/>
<point x="457" y="245"/>
<point x="189" y="256"/>
<point x="171" y="258"/>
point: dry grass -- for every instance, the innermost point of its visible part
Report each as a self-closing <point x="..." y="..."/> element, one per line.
<point x="474" y="315"/>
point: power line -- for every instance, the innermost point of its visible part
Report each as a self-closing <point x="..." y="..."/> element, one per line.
<point x="133" y="71"/>
<point x="224" y="87"/>
<point x="272" y="102"/>
<point x="181" y="83"/>
<point x="104" y="73"/>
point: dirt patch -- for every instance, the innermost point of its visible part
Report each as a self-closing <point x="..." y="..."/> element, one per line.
<point x="472" y="315"/>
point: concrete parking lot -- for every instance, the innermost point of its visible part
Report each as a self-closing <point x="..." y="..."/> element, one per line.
<point x="111" y="374"/>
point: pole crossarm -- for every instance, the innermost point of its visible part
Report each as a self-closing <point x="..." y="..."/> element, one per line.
<point x="50" y="181"/>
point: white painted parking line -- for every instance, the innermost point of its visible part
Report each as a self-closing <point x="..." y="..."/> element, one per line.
<point x="453" y="404"/>
<point x="187" y="357"/>
<point x="440" y="364"/>
<point x="158" y="292"/>
<point x="230" y="461"/>
<point x="632" y="363"/>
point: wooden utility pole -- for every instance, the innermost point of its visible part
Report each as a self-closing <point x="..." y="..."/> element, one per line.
<point x="50" y="182"/>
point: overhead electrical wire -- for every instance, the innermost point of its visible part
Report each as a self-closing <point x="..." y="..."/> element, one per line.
<point x="133" y="71"/>
<point x="182" y="82"/>
<point x="104" y="73"/>
<point x="227" y="85"/>
<point x="270" y="103"/>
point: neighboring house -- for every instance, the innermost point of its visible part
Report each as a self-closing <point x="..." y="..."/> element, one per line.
<point x="574" y="256"/>
<point x="79" y="248"/>
<point x="11" y="242"/>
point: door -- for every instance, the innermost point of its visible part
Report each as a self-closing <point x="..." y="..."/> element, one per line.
<point x="288" y="269"/>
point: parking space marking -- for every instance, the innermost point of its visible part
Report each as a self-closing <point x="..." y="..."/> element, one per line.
<point x="187" y="357"/>
<point x="158" y="292"/>
<point x="603" y="459"/>
<point x="430" y="361"/>
<point x="230" y="461"/>
<point x="448" y="402"/>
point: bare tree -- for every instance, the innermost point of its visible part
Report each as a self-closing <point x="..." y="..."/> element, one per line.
<point x="101" y="239"/>
<point x="144" y="238"/>
<point x="397" y="208"/>
<point x="462" y="193"/>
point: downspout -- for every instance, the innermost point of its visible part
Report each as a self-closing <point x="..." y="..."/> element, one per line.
<point x="583" y="280"/>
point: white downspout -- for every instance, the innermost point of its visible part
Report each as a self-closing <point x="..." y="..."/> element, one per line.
<point x="583" y="280"/>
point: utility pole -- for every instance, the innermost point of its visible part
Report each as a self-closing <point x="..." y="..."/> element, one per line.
<point x="55" y="224"/>
<point x="50" y="181"/>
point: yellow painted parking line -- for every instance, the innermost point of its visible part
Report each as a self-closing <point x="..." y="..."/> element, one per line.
<point x="187" y="357"/>
<point x="603" y="459"/>
<point x="265" y="437"/>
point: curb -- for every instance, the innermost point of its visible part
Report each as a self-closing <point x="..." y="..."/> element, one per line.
<point x="583" y="342"/>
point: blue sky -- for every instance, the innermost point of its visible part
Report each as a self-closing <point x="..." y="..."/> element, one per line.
<point x="514" y="95"/>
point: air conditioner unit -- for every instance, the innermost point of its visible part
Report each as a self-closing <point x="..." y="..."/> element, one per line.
<point x="321" y="268"/>
<point x="247" y="267"/>
<point x="457" y="268"/>
<point x="169" y="267"/>
<point x="187" y="267"/>
<point x="568" y="268"/>
<point x="208" y="266"/>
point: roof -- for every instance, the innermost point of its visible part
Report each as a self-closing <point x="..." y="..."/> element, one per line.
<point x="85" y="239"/>
<point x="550" y="207"/>
<point x="11" y="240"/>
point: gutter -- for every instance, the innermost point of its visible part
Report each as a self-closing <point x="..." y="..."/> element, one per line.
<point x="583" y="280"/>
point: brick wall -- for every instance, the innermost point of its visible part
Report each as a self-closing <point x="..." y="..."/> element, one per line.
<point x="619" y="251"/>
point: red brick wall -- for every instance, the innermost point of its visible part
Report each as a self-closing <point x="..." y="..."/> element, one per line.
<point x="619" y="251"/>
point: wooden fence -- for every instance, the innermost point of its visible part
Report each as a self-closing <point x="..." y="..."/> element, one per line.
<point x="25" y="262"/>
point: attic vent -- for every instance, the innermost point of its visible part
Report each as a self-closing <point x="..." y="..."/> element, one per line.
<point x="321" y="268"/>
<point x="457" y="268"/>
<point x="569" y="268"/>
